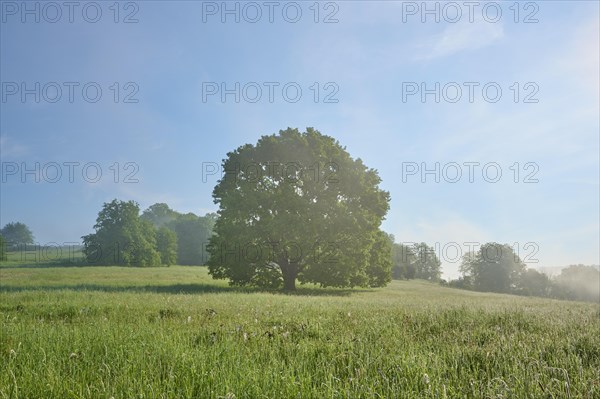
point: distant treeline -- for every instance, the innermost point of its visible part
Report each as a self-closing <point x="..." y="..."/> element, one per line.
<point x="496" y="268"/>
<point x="575" y="282"/>
<point x="159" y="236"/>
<point x="162" y="236"/>
<point x="417" y="260"/>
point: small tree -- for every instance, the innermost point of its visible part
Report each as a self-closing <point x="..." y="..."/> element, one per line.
<point x="121" y="237"/>
<point x="534" y="283"/>
<point x="166" y="244"/>
<point x="404" y="262"/>
<point x="159" y="214"/>
<point x="193" y="233"/>
<point x="495" y="267"/>
<point x="427" y="264"/>
<point x="17" y="234"/>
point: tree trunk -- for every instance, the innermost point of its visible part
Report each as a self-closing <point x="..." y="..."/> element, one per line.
<point x="289" y="272"/>
<point x="289" y="282"/>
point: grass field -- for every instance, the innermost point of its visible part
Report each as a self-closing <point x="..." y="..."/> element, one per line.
<point x="174" y="332"/>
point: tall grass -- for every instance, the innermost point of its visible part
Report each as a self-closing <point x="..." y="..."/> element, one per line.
<point x="173" y="332"/>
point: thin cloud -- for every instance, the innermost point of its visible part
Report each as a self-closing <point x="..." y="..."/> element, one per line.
<point x="11" y="149"/>
<point x="582" y="59"/>
<point x="462" y="36"/>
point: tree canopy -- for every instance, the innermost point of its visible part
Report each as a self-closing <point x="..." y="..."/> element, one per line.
<point x="403" y="261"/>
<point x="121" y="237"/>
<point x="16" y="234"/>
<point x="415" y="260"/>
<point x="166" y="245"/>
<point x="192" y="232"/>
<point x="159" y="214"/>
<point x="298" y="206"/>
<point x="494" y="267"/>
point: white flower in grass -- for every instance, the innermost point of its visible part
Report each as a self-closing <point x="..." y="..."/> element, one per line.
<point x="425" y="379"/>
<point x="189" y="319"/>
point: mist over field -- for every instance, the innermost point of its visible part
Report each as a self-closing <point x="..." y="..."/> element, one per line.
<point x="327" y="199"/>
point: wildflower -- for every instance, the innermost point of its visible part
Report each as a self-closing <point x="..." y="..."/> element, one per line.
<point x="189" y="319"/>
<point x="425" y="379"/>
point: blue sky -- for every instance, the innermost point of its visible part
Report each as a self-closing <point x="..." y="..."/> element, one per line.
<point x="371" y="57"/>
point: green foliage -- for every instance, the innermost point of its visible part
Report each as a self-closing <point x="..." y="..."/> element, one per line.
<point x="493" y="268"/>
<point x="534" y="283"/>
<point x="404" y="261"/>
<point x="2" y="249"/>
<point x="159" y="214"/>
<point x="193" y="232"/>
<point x="120" y="332"/>
<point x="267" y="275"/>
<point x="16" y="234"/>
<point x="121" y="237"/>
<point x="415" y="261"/>
<point x="463" y="283"/>
<point x="166" y="245"/>
<point x="427" y="264"/>
<point x="379" y="268"/>
<point x="298" y="200"/>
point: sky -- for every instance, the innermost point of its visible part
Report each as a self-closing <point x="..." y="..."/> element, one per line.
<point x="481" y="118"/>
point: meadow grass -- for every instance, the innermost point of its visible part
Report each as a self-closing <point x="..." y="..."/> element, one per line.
<point x="102" y="332"/>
